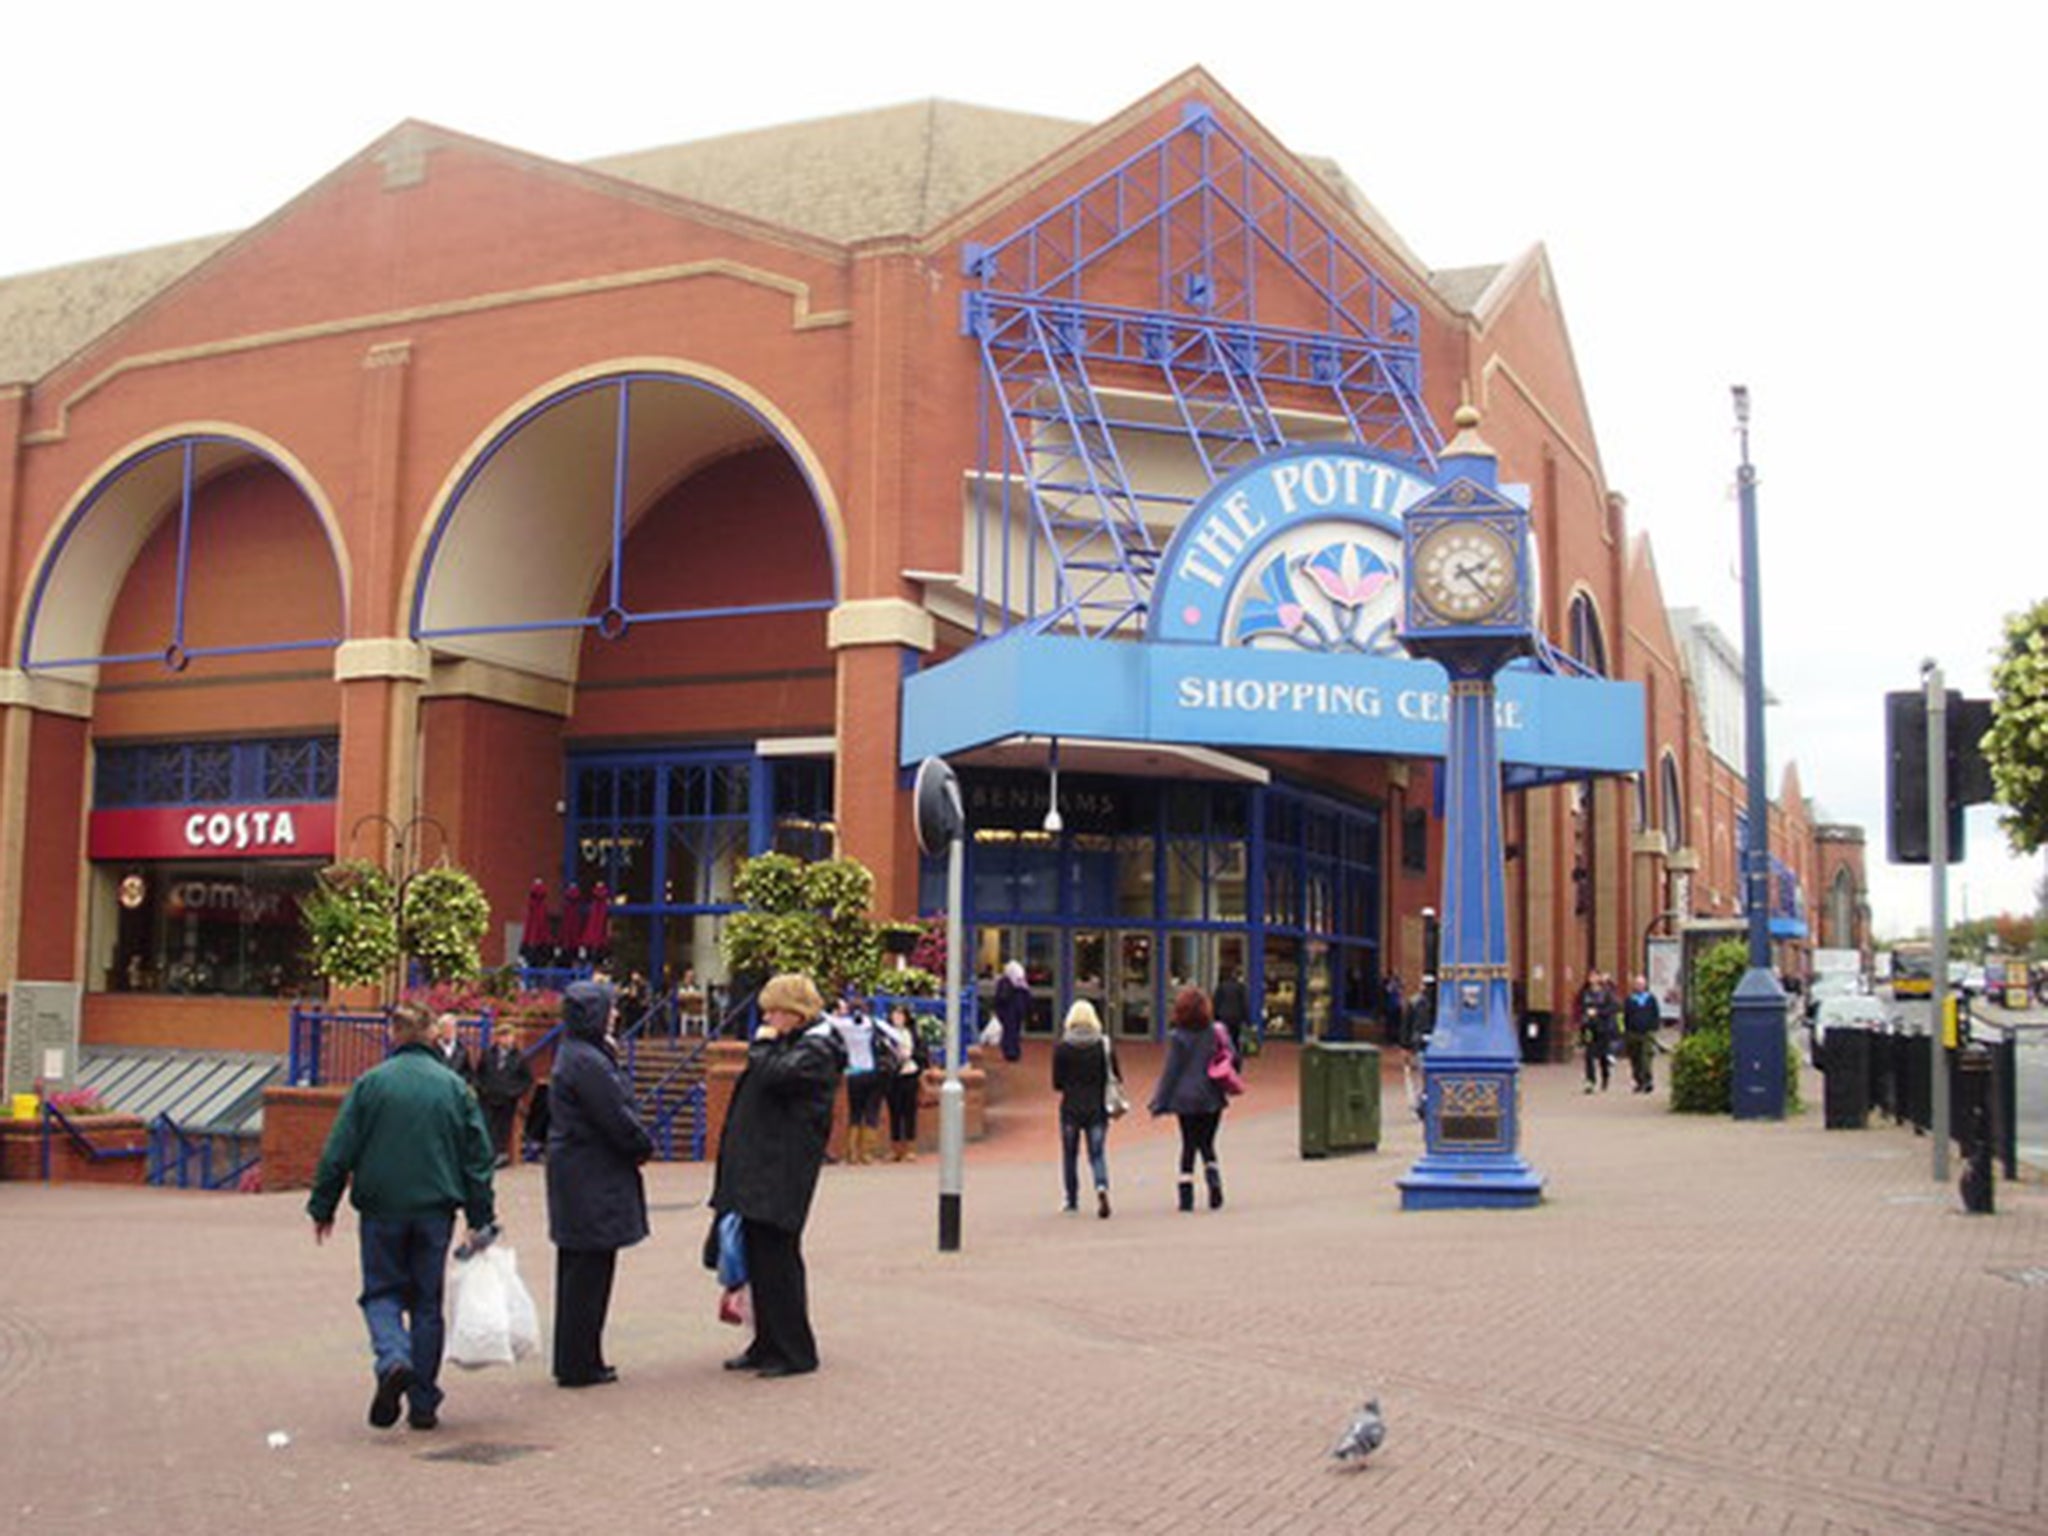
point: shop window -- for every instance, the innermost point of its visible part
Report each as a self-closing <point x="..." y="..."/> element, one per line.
<point x="215" y="928"/>
<point x="215" y="772"/>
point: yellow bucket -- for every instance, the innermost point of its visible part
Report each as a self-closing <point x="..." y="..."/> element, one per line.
<point x="22" y="1107"/>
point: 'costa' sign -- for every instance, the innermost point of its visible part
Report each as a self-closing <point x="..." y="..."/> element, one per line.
<point x="304" y="830"/>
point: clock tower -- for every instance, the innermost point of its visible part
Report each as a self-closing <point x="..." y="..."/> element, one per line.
<point x="1471" y="607"/>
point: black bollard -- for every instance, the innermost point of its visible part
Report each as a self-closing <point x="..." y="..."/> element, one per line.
<point x="1973" y="1127"/>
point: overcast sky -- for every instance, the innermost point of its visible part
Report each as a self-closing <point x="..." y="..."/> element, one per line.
<point x="1836" y="205"/>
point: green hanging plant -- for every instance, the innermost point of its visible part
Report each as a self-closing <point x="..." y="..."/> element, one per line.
<point x="351" y="923"/>
<point x="443" y="923"/>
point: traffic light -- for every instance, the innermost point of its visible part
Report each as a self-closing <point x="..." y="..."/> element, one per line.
<point x="1969" y="774"/>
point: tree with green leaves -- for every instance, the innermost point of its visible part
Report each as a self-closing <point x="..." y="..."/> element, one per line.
<point x="2016" y="746"/>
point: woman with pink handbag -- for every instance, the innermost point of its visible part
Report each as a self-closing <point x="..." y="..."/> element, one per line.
<point x="1192" y="1094"/>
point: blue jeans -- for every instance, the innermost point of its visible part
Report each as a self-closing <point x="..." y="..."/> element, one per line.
<point x="405" y="1261"/>
<point x="1070" y="1147"/>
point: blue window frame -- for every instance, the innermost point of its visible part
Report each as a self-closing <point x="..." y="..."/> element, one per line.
<point x="666" y="832"/>
<point x="274" y="769"/>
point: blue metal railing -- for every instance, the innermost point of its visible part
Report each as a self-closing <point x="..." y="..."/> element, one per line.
<point x="185" y="1161"/>
<point x="55" y="1121"/>
<point x="329" y="1049"/>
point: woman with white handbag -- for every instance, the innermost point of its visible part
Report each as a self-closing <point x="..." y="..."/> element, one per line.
<point x="1091" y="1090"/>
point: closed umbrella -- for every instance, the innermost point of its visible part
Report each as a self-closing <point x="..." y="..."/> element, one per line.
<point x="537" y="939"/>
<point x="569" y="937"/>
<point x="597" y="925"/>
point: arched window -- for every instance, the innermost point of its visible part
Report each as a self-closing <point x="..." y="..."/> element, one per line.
<point x="1674" y="802"/>
<point x="1588" y="647"/>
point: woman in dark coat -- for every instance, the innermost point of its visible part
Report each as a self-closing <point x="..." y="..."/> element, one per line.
<point x="1013" y="1006"/>
<point x="769" y="1155"/>
<point x="1186" y="1090"/>
<point x="597" y="1203"/>
<point x="1082" y="1065"/>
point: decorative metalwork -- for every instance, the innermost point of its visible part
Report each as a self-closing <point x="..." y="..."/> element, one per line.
<point x="1075" y="386"/>
<point x="296" y="768"/>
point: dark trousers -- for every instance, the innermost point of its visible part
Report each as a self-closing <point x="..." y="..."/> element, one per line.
<point x="1642" y="1046"/>
<point x="1598" y="1050"/>
<point x="903" y="1090"/>
<point x="1198" y="1135"/>
<point x="782" y="1308"/>
<point x="499" y="1117"/>
<point x="583" y="1295"/>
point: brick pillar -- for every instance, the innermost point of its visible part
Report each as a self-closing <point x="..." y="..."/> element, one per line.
<point x="871" y="640"/>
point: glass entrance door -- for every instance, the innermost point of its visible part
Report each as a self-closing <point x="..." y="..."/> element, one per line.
<point x="1133" y="983"/>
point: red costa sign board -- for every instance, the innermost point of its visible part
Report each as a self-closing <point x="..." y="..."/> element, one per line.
<point x="214" y="832"/>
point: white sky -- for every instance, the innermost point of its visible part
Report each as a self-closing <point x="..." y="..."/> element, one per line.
<point x="1831" y="203"/>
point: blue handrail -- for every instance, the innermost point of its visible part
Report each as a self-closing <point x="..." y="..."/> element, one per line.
<point x="54" y="1119"/>
<point x="173" y="1152"/>
<point x="333" y="1048"/>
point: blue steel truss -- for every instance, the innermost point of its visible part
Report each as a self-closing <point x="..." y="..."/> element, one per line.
<point x="1071" y="385"/>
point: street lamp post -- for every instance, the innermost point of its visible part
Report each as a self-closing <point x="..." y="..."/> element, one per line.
<point x="1758" y="1022"/>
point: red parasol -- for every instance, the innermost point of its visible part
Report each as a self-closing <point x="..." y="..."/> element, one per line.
<point x="597" y="922"/>
<point x="538" y="936"/>
<point x="570" y="933"/>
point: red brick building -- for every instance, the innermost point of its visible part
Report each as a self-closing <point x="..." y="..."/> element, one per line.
<point x="585" y="522"/>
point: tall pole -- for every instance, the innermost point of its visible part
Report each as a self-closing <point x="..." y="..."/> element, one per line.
<point x="1937" y="879"/>
<point x="1759" y="1011"/>
<point x="953" y="1095"/>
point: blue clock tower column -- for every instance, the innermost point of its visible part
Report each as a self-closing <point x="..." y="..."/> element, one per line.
<point x="1472" y="1065"/>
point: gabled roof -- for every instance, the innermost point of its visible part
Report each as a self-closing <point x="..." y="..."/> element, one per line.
<point x="899" y="171"/>
<point x="46" y="316"/>
<point x="894" y="171"/>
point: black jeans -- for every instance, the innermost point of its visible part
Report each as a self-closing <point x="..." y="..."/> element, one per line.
<point x="903" y="1091"/>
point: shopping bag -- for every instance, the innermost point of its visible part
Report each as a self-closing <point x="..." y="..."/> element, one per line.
<point x="992" y="1033"/>
<point x="480" y="1307"/>
<point x="735" y="1305"/>
<point x="732" y="1252"/>
<point x="521" y="1314"/>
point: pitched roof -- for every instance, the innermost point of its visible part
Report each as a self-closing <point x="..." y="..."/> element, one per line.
<point x="46" y="316"/>
<point x="893" y="171"/>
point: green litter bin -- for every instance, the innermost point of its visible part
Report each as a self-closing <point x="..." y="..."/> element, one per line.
<point x="1340" y="1097"/>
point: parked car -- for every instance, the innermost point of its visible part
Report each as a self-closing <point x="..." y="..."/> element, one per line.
<point x="1831" y="984"/>
<point x="1847" y="1010"/>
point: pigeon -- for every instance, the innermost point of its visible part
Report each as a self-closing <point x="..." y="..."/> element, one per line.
<point x="1364" y="1436"/>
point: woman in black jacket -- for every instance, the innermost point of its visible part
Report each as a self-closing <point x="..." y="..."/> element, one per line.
<point x="597" y="1203"/>
<point x="1186" y="1090"/>
<point x="769" y="1155"/>
<point x="1083" y="1063"/>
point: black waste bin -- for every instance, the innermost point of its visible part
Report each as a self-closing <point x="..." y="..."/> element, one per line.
<point x="1846" y="1061"/>
<point x="1535" y="1038"/>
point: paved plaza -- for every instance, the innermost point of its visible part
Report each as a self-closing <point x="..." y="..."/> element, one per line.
<point x="1706" y="1327"/>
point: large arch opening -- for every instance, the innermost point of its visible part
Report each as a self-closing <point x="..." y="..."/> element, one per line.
<point x="629" y="557"/>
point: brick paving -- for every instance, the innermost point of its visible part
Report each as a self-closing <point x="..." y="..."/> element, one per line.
<point x="1706" y="1327"/>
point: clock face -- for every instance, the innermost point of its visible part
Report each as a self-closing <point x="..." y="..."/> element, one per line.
<point x="1464" y="573"/>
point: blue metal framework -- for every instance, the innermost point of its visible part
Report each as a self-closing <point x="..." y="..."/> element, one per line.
<point x="295" y="768"/>
<point x="1060" y="368"/>
<point x="175" y="655"/>
<point x="614" y="619"/>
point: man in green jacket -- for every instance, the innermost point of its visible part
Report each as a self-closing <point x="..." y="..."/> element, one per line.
<point x="410" y="1139"/>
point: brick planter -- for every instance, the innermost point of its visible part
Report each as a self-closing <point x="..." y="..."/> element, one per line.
<point x="21" y="1150"/>
<point x="295" y="1126"/>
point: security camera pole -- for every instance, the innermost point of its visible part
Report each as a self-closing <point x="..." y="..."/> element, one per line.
<point x="941" y="822"/>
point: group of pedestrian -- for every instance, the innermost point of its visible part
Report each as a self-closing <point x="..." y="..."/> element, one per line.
<point x="1089" y="1081"/>
<point x="499" y="1075"/>
<point x="411" y="1146"/>
<point x="1607" y="1020"/>
<point x="886" y="1060"/>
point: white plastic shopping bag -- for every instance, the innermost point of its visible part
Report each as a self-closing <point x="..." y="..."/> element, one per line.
<point x="492" y="1318"/>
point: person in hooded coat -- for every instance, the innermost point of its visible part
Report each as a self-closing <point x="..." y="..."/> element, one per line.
<point x="597" y="1202"/>
<point x="769" y="1155"/>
